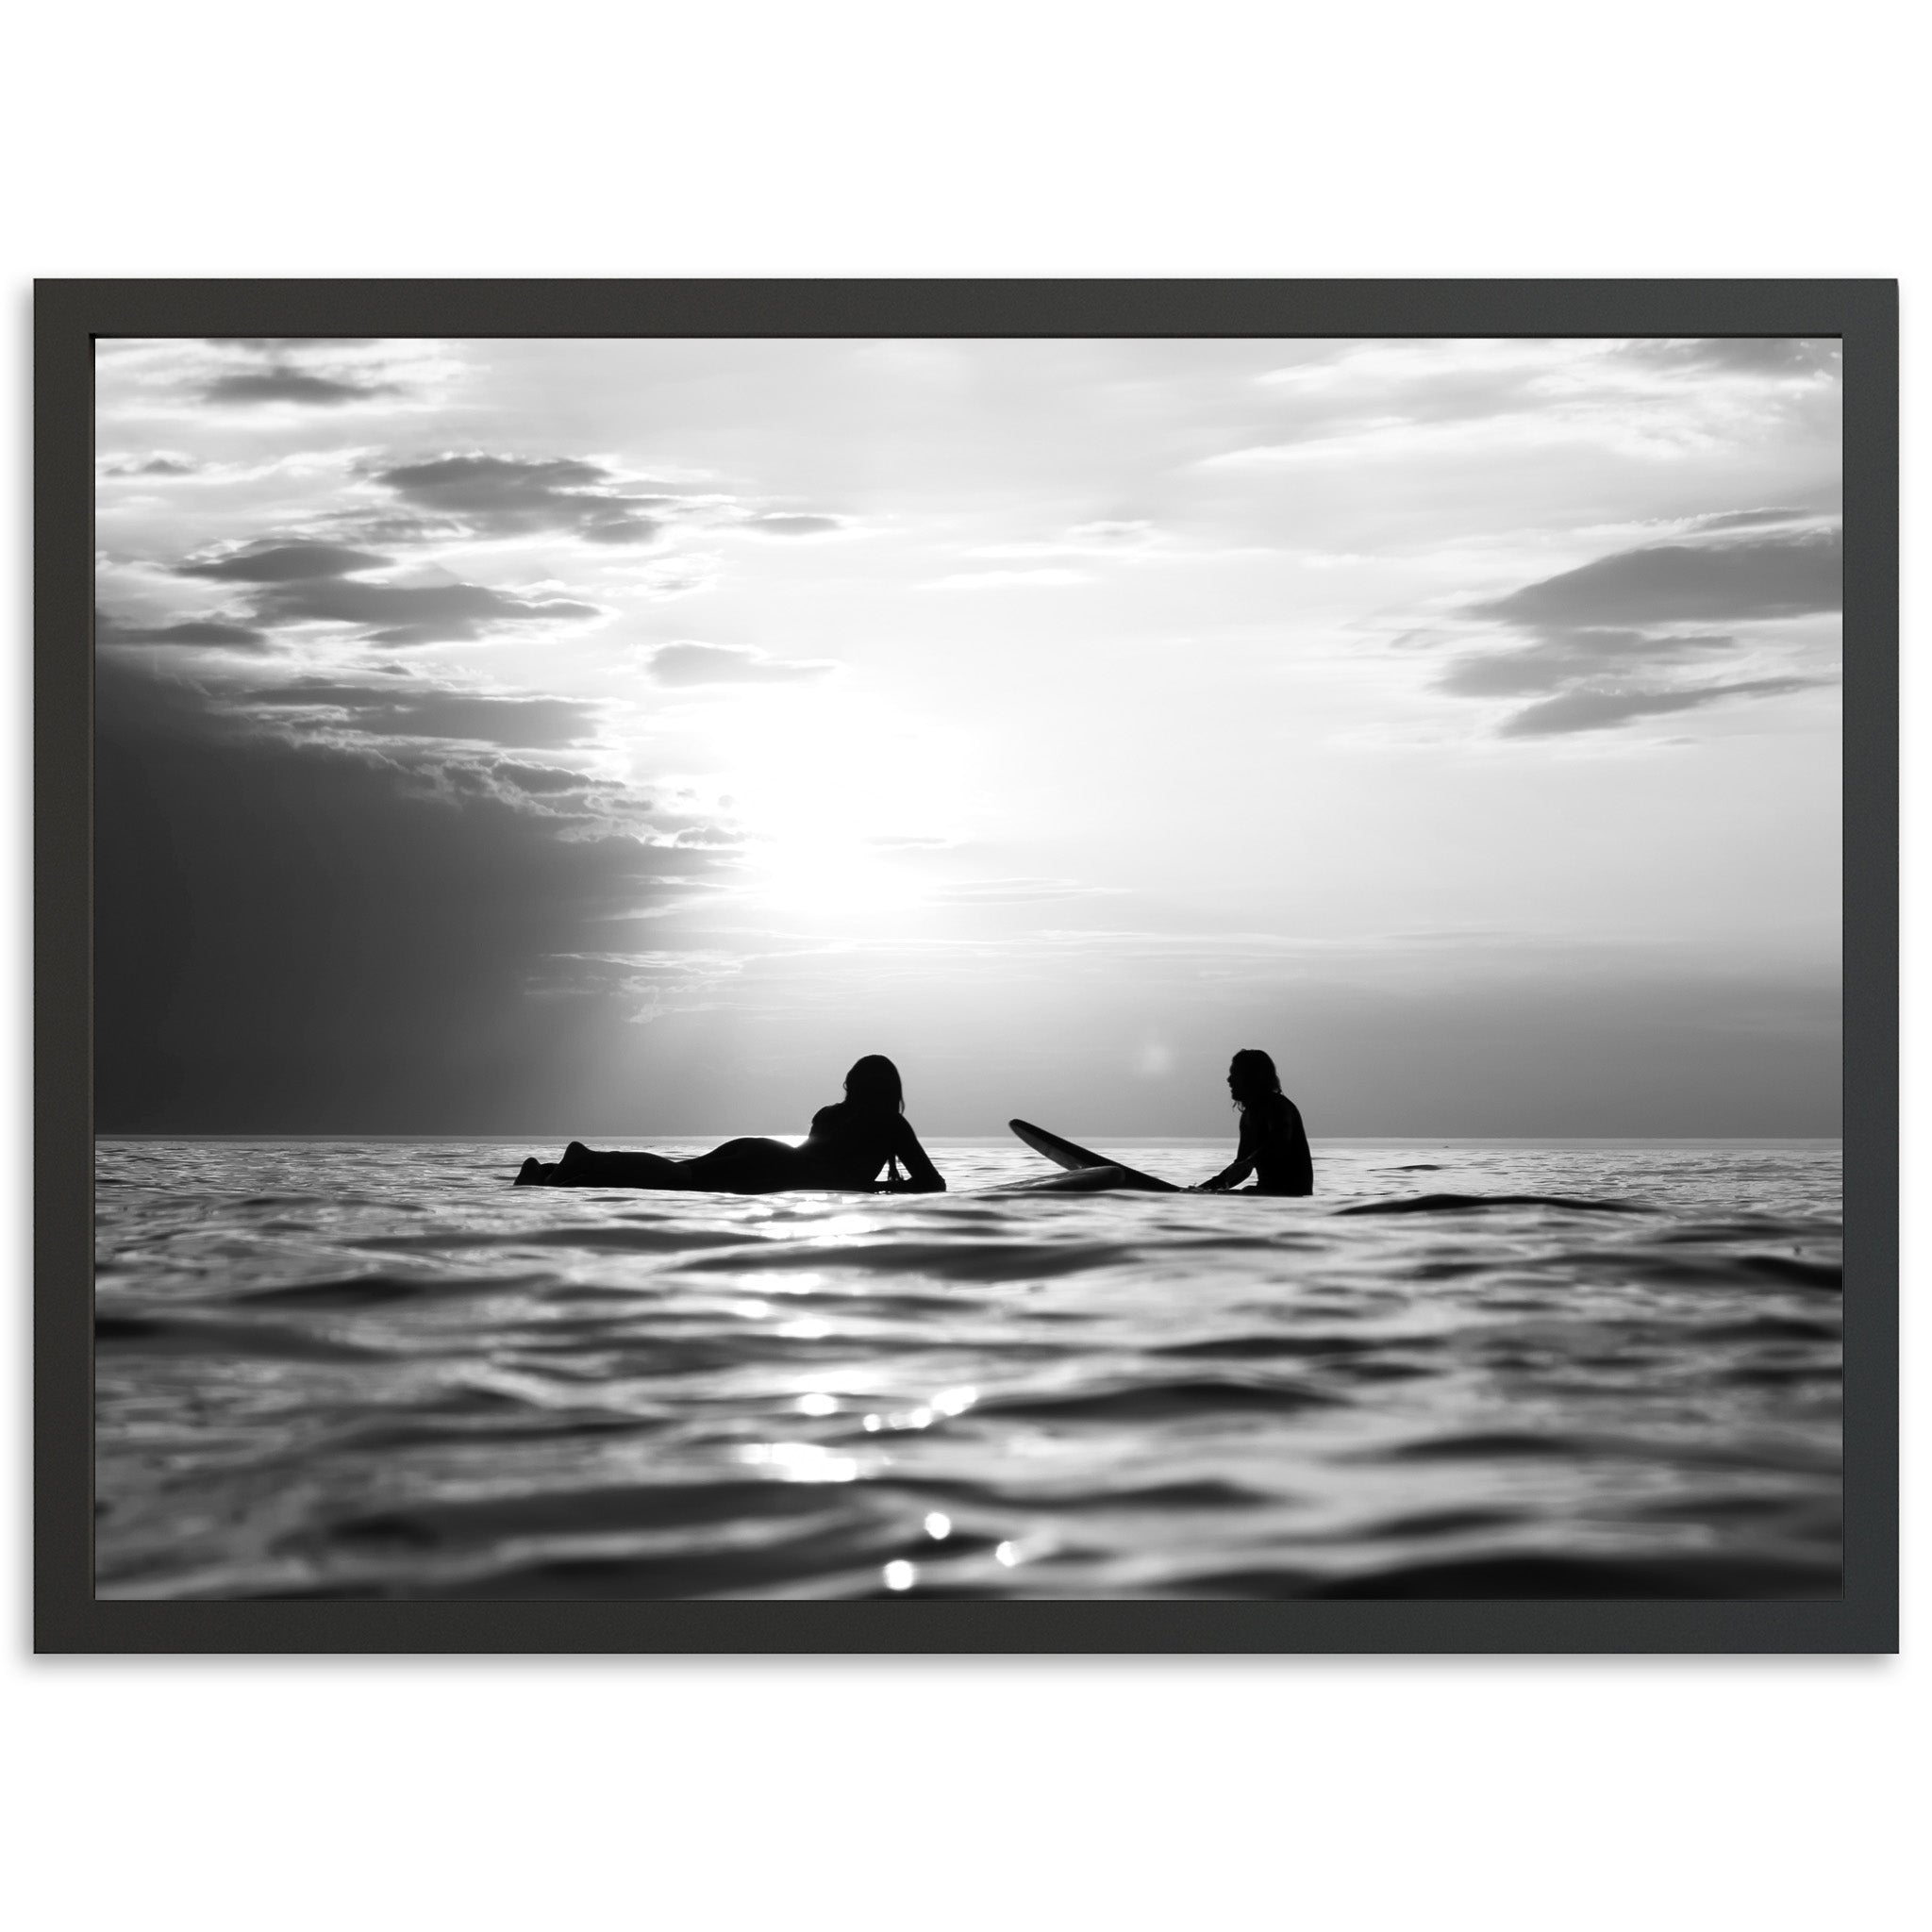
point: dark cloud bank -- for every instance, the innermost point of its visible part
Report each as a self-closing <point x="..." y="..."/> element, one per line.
<point x="298" y="939"/>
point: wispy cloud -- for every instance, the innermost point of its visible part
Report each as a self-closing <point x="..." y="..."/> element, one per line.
<point x="160" y="464"/>
<point x="280" y="383"/>
<point x="1563" y="658"/>
<point x="1601" y="711"/>
<point x="1377" y="402"/>
<point x="689" y="662"/>
<point x="374" y="710"/>
<point x="195" y="632"/>
<point x="783" y="524"/>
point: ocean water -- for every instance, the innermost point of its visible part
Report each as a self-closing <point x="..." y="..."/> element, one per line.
<point x="327" y="1369"/>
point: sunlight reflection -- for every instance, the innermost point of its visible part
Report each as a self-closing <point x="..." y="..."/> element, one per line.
<point x="954" y="1400"/>
<point x="900" y="1575"/>
<point x="836" y="1228"/>
<point x="804" y="1283"/>
<point x="1007" y="1554"/>
<point x="800" y="1462"/>
<point x="817" y="1403"/>
<point x="939" y="1527"/>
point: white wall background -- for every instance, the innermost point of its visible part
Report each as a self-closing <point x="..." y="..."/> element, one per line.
<point x="1690" y="138"/>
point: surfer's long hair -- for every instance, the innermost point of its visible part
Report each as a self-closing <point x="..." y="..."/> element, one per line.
<point x="1251" y="1076"/>
<point x="872" y="1086"/>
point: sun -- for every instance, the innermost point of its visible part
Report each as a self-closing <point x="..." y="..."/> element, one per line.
<point x="827" y="875"/>
<point x="841" y="805"/>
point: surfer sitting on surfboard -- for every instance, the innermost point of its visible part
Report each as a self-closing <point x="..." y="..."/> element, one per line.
<point x="1274" y="1146"/>
<point x="849" y="1143"/>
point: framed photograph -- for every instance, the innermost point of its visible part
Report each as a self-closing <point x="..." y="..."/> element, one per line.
<point x="966" y="966"/>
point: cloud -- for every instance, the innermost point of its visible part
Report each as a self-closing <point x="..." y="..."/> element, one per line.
<point x="538" y="781"/>
<point x="1600" y="710"/>
<point x="150" y="466"/>
<point x="284" y="563"/>
<point x="514" y="723"/>
<point x="1565" y="658"/>
<point x="1465" y="399"/>
<point x="1764" y="356"/>
<point x="282" y="384"/>
<point x="690" y="663"/>
<point x="1746" y="519"/>
<point x="1611" y="639"/>
<point x="1769" y="577"/>
<point x="412" y="614"/>
<point x="308" y="583"/>
<point x="776" y="525"/>
<point x="203" y="631"/>
<point x="513" y="497"/>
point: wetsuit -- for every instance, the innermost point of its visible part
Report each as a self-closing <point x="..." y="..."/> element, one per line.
<point x="1274" y="1146"/>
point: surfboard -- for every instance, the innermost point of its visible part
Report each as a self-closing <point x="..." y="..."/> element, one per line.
<point x="1086" y="1173"/>
<point x="1076" y="1159"/>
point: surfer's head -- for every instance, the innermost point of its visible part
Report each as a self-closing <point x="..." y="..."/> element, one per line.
<point x="873" y="1085"/>
<point x="1251" y="1076"/>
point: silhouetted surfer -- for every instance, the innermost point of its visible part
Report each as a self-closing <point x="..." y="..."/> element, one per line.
<point x="849" y="1143"/>
<point x="1274" y="1146"/>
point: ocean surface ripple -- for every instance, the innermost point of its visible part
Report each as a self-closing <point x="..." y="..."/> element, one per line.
<point x="1464" y="1369"/>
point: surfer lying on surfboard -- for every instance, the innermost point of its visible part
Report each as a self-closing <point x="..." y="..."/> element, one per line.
<point x="1273" y="1145"/>
<point x="849" y="1143"/>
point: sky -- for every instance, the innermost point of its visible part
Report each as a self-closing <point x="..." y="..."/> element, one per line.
<point x="617" y="738"/>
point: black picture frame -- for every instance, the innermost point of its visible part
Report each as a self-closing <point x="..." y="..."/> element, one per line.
<point x="69" y="314"/>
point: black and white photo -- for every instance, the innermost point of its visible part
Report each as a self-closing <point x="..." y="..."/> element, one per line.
<point x="906" y="967"/>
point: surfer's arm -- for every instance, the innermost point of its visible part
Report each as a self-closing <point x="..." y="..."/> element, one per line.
<point x="1252" y="1145"/>
<point x="1237" y="1171"/>
<point x="921" y="1177"/>
<point x="1230" y="1176"/>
